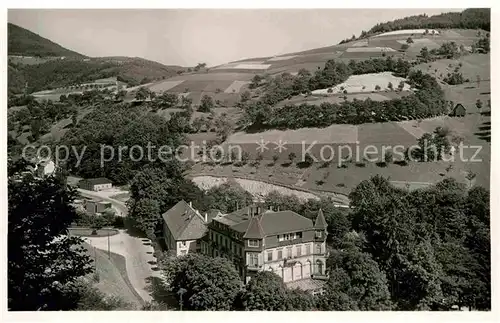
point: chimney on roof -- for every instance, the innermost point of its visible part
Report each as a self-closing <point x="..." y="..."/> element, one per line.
<point x="206" y="217"/>
<point x="190" y="204"/>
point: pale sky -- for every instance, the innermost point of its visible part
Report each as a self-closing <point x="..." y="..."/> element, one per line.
<point x="187" y="37"/>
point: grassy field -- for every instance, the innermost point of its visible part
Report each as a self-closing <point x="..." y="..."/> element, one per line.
<point x="407" y="32"/>
<point x="468" y="93"/>
<point x="236" y="86"/>
<point x="333" y="134"/>
<point x="474" y="129"/>
<point x="113" y="279"/>
<point x="218" y="86"/>
<point x="472" y="65"/>
<point x="164" y="86"/>
<point x="191" y="85"/>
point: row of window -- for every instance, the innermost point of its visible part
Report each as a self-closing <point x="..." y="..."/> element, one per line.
<point x="289" y="252"/>
<point x="231" y="233"/>
<point x="253" y="243"/>
<point x="290" y="236"/>
<point x="224" y="241"/>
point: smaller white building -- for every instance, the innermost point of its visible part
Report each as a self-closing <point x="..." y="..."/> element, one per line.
<point x="183" y="227"/>
<point x="95" y="184"/>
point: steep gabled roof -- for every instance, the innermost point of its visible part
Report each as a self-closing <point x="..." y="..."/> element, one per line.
<point x="320" y="222"/>
<point x="184" y="222"/>
<point x="254" y="229"/>
<point x="276" y="223"/>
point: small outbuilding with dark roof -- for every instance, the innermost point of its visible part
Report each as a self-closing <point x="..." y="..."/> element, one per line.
<point x="95" y="184"/>
<point x="458" y="111"/>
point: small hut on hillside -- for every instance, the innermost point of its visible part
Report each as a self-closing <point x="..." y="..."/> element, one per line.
<point x="458" y="111"/>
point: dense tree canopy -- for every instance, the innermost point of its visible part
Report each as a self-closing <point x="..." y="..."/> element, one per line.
<point x="157" y="188"/>
<point x="43" y="263"/>
<point x="227" y="198"/>
<point x="265" y="292"/>
<point x="285" y="85"/>
<point x="477" y="18"/>
<point x="109" y="128"/>
<point x="209" y="284"/>
<point x="416" y="237"/>
<point x="428" y="101"/>
<point x="362" y="285"/>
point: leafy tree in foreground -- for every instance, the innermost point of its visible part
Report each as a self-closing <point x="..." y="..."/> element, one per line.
<point x="478" y="241"/>
<point x="400" y="246"/>
<point x="299" y="300"/>
<point x="42" y="261"/>
<point x="210" y="284"/>
<point x="336" y="297"/>
<point x="265" y="292"/>
<point x="366" y="286"/>
<point x="146" y="213"/>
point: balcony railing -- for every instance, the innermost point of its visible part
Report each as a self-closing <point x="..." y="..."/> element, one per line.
<point x="254" y="266"/>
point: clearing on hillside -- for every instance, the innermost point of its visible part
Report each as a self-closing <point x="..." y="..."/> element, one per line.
<point x="339" y="133"/>
<point x="369" y="49"/>
<point x="408" y="32"/>
<point x="472" y="65"/>
<point x="235" y="87"/>
<point x="280" y="58"/>
<point x="366" y="83"/>
<point x="164" y="86"/>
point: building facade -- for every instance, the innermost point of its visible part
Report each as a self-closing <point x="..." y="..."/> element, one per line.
<point x="95" y="184"/>
<point x="284" y="242"/>
<point x="183" y="228"/>
<point x="96" y="207"/>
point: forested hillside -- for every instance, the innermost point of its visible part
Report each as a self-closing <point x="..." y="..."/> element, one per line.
<point x="75" y="68"/>
<point x="61" y="73"/>
<point x="26" y="43"/>
<point x="467" y="19"/>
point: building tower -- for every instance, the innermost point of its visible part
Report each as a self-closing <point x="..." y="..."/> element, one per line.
<point x="319" y="252"/>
